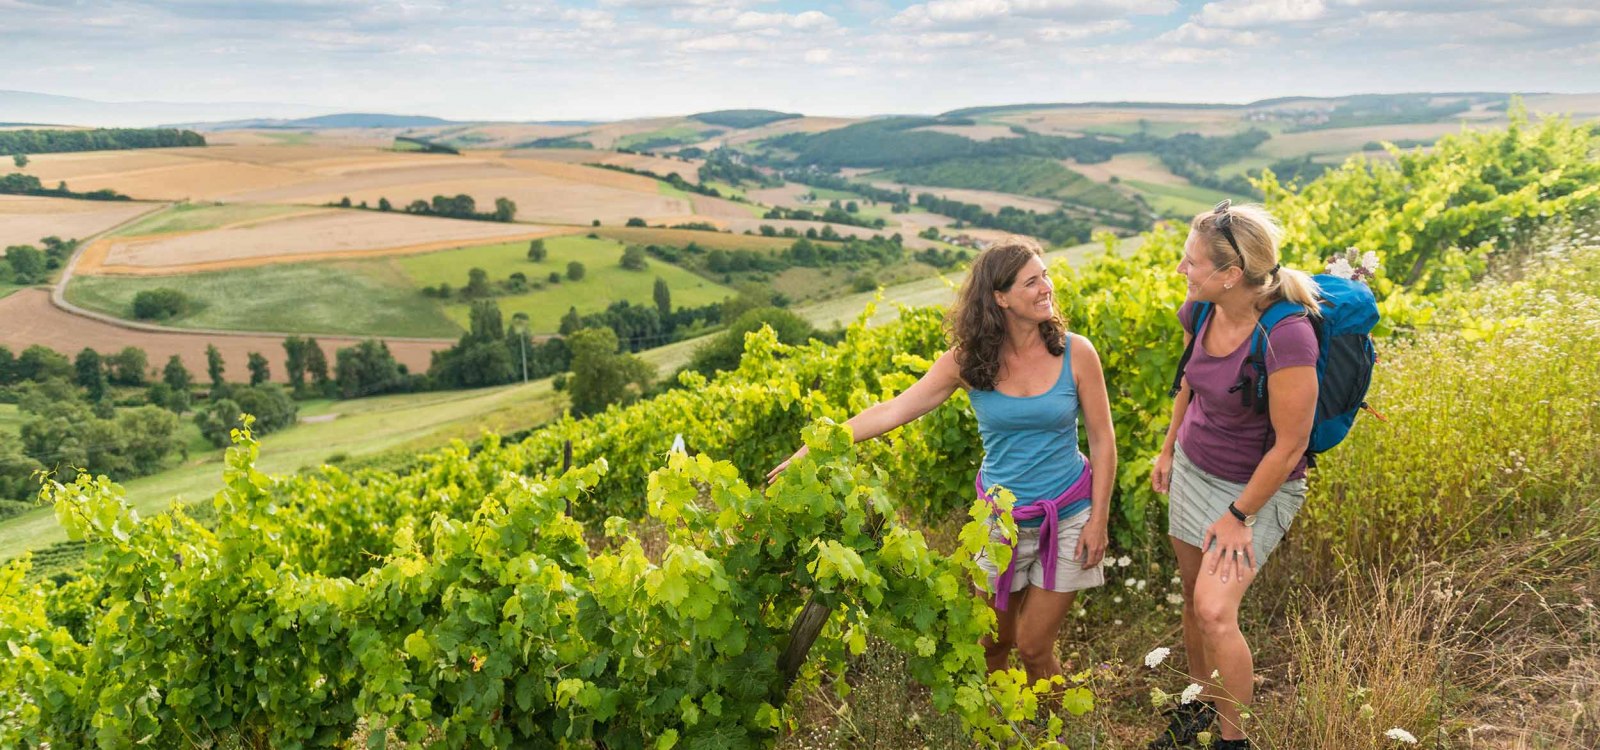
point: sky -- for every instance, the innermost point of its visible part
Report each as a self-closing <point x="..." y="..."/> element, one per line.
<point x="613" y="59"/>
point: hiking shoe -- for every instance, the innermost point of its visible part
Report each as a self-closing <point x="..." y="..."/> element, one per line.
<point x="1186" y="721"/>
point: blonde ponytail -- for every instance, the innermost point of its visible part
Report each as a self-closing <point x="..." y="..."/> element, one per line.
<point x="1257" y="234"/>
<point x="1297" y="287"/>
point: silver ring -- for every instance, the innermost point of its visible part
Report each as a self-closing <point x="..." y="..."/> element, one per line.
<point x="1236" y="553"/>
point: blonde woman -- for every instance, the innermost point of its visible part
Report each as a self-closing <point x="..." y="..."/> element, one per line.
<point x="1234" y="468"/>
<point x="1030" y="382"/>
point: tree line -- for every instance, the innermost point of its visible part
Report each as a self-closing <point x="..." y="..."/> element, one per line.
<point x="100" y="139"/>
<point x="27" y="264"/>
<point x="18" y="183"/>
<point x="460" y="206"/>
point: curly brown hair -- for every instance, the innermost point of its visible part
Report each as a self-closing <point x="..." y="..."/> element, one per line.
<point x="976" y="324"/>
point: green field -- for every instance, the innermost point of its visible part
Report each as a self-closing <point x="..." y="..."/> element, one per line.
<point x="194" y="217"/>
<point x="411" y="423"/>
<point x="678" y="134"/>
<point x="350" y="297"/>
<point x="682" y="237"/>
<point x="1020" y="175"/>
<point x="7" y="289"/>
<point x="1178" y="200"/>
<point x="606" y="281"/>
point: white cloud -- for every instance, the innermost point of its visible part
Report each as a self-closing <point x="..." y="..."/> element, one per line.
<point x="725" y="43"/>
<point x="1091" y="9"/>
<point x="942" y="39"/>
<point x="951" y="13"/>
<point x="1241" y="14"/>
<point x="818" y="56"/>
<point x="1061" y="32"/>
<point x="806" y="21"/>
<point x="1193" y="33"/>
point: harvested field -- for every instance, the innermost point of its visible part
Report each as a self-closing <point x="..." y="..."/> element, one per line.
<point x="682" y="237"/>
<point x="1137" y="166"/>
<point x="795" y="125"/>
<point x="195" y="217"/>
<point x="161" y="174"/>
<point x="1345" y="141"/>
<point x="688" y="170"/>
<point x="543" y="191"/>
<point x="724" y="209"/>
<point x="317" y="236"/>
<point x="974" y="132"/>
<point x="28" y="318"/>
<point x="608" y="135"/>
<point x="25" y="219"/>
<point x="788" y="195"/>
<point x="1076" y="121"/>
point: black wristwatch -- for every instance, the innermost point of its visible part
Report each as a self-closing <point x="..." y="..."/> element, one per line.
<point x="1248" y="521"/>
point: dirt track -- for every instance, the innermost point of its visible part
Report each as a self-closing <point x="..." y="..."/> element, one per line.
<point x="27" y="318"/>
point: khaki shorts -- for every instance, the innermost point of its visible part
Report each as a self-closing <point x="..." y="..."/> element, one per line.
<point x="1070" y="574"/>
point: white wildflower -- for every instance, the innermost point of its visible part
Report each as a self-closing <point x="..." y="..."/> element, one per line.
<point x="1124" y="561"/>
<point x="1216" y="673"/>
<point x="1141" y="585"/>
<point x="1192" y="692"/>
<point x="1175" y="599"/>
<point x="1400" y="735"/>
<point x="1154" y="658"/>
<point x="1116" y="599"/>
<point x="1369" y="262"/>
<point x="1341" y="268"/>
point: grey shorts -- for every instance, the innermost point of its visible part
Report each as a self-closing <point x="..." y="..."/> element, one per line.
<point x="1070" y="575"/>
<point x="1198" y="498"/>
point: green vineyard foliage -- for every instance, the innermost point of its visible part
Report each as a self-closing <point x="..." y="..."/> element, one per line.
<point x="496" y="597"/>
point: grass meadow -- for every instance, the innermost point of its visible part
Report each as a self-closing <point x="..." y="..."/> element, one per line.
<point x="605" y="281"/>
<point x="1178" y="200"/>
<point x="195" y="217"/>
<point x="349" y="297"/>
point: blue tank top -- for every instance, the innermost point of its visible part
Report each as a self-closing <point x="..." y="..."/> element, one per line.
<point x="1030" y="444"/>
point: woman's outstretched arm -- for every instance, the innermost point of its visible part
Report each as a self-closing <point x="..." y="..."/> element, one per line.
<point x="932" y="389"/>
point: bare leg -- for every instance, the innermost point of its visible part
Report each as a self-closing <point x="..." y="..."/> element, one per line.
<point x="997" y="647"/>
<point x="1216" y="606"/>
<point x="1193" y="645"/>
<point x="1038" y="627"/>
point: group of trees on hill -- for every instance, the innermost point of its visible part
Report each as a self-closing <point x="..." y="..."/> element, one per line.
<point x="831" y="215"/>
<point x="31" y="141"/>
<point x="27" y="264"/>
<point x="900" y="142"/>
<point x="461" y="206"/>
<point x="1057" y="227"/>
<point x="18" y="183"/>
<point x="728" y="166"/>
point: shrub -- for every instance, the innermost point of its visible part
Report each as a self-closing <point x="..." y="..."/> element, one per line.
<point x="161" y="304"/>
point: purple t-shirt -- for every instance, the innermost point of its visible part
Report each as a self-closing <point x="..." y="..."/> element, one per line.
<point x="1219" y="433"/>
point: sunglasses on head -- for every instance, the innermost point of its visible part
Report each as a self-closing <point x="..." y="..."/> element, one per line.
<point x="1223" y="221"/>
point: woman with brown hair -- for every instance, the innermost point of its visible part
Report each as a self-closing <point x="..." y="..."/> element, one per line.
<point x="1234" y="469"/>
<point x="1029" y="382"/>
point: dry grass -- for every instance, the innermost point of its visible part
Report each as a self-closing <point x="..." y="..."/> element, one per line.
<point x="26" y="219"/>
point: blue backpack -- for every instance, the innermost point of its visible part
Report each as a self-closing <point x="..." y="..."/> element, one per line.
<point x="1345" y="356"/>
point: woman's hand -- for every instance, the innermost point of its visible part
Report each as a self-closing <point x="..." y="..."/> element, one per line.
<point x="1092" y="543"/>
<point x="1235" y="552"/>
<point x="1161" y="476"/>
<point x="776" y="470"/>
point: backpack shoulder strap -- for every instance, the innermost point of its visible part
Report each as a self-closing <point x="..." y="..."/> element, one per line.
<point x="1279" y="312"/>
<point x="1200" y="310"/>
